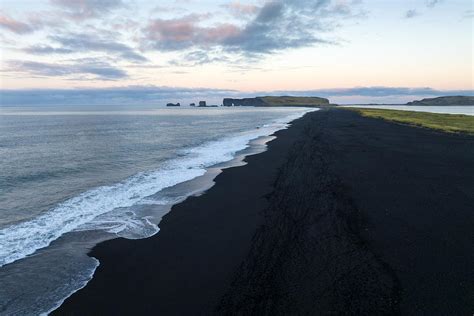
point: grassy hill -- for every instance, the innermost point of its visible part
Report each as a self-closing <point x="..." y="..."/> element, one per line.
<point x="452" y="100"/>
<point x="452" y="123"/>
<point x="294" y="101"/>
<point x="277" y="101"/>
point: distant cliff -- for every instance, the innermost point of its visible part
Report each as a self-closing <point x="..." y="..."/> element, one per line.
<point x="454" y="100"/>
<point x="277" y="101"/>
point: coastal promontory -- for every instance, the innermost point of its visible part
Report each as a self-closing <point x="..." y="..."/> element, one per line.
<point x="450" y="100"/>
<point x="277" y="101"/>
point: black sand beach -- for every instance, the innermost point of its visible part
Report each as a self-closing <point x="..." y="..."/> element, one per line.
<point x="342" y="215"/>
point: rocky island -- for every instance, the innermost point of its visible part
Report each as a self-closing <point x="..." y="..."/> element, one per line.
<point x="278" y="101"/>
<point x="451" y="100"/>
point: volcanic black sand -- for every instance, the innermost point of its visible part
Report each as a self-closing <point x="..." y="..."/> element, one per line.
<point x="342" y="215"/>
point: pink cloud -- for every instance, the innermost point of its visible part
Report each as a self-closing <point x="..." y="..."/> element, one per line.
<point x="186" y="32"/>
<point x="14" y="26"/>
<point x="179" y="30"/>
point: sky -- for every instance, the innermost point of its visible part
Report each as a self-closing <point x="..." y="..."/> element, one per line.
<point x="118" y="51"/>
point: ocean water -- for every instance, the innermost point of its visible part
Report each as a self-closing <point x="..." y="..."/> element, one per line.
<point x="71" y="177"/>
<point x="461" y="109"/>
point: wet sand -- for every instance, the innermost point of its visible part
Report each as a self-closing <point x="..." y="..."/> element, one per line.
<point x="342" y="215"/>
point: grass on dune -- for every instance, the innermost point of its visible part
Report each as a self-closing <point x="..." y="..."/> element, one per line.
<point x="452" y="123"/>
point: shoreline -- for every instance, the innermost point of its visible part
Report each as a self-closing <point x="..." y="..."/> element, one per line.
<point x="215" y="250"/>
<point x="241" y="161"/>
<point x="73" y="268"/>
<point x="199" y="184"/>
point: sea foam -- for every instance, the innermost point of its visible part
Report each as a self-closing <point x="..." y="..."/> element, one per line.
<point x="79" y="213"/>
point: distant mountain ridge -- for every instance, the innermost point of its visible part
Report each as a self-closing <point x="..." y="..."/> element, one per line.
<point x="277" y="101"/>
<point x="450" y="100"/>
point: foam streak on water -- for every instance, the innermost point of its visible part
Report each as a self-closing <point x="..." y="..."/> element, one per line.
<point x="25" y="238"/>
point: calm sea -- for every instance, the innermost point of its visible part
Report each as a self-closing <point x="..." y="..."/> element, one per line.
<point x="72" y="177"/>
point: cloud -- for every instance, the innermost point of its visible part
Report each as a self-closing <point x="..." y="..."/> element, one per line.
<point x="93" y="68"/>
<point x="432" y="3"/>
<point x="87" y="9"/>
<point x="240" y="9"/>
<point x="144" y="95"/>
<point x="468" y="14"/>
<point x="377" y="92"/>
<point x="184" y="32"/>
<point x="276" y="26"/>
<point x="411" y="14"/>
<point x="414" y="13"/>
<point x="75" y="9"/>
<point x="380" y="95"/>
<point x="269" y="27"/>
<point x="74" y="43"/>
<point x="156" y="95"/>
<point x="199" y="57"/>
<point x="167" y="9"/>
<point x="13" y="25"/>
<point x="47" y="50"/>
